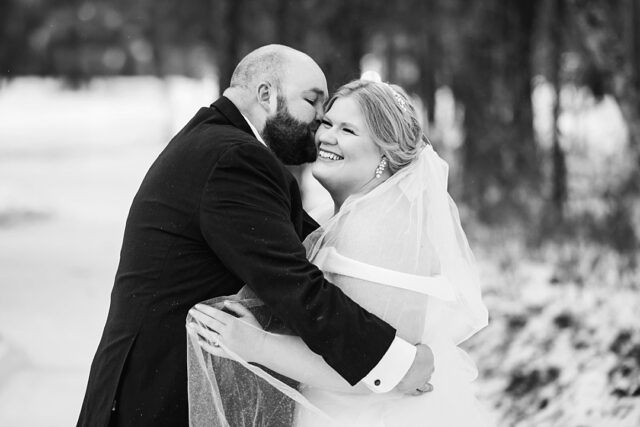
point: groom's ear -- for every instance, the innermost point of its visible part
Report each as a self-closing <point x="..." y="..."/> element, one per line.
<point x="267" y="97"/>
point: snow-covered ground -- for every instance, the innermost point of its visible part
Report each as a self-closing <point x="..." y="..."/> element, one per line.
<point x="70" y="163"/>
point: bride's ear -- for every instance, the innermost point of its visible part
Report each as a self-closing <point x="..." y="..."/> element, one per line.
<point x="267" y="97"/>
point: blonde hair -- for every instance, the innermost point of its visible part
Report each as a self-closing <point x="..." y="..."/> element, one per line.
<point x="391" y="118"/>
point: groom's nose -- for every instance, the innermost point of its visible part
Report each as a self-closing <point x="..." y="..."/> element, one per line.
<point x="314" y="125"/>
<point x="319" y="111"/>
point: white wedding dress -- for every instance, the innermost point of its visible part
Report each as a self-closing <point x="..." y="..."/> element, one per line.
<point x="400" y="253"/>
<point x="450" y="404"/>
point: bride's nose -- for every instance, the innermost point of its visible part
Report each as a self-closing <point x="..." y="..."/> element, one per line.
<point x="326" y="136"/>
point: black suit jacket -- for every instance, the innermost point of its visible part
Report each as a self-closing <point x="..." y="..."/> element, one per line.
<point x="216" y="210"/>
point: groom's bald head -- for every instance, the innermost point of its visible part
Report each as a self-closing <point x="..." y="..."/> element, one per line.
<point x="264" y="64"/>
<point x="272" y="63"/>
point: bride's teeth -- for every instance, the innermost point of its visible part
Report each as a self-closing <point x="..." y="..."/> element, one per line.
<point x="327" y="155"/>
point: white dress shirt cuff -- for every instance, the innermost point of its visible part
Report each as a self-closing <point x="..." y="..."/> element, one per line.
<point x="392" y="367"/>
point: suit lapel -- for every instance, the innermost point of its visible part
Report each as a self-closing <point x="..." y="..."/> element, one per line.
<point x="233" y="115"/>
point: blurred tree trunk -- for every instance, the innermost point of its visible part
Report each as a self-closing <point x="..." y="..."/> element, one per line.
<point x="630" y="14"/>
<point x="556" y="20"/>
<point x="285" y="27"/>
<point x="634" y="37"/>
<point x="610" y="55"/>
<point x="229" y="51"/>
<point x="470" y="89"/>
<point x="13" y="27"/>
<point x="158" y="44"/>
<point x="356" y="37"/>
<point x="281" y="15"/>
<point x="77" y="73"/>
<point x="607" y="50"/>
<point x="392" y="60"/>
<point x="493" y="82"/>
<point x="428" y="55"/>
<point x="346" y="44"/>
<point x="286" y="24"/>
<point x="518" y="73"/>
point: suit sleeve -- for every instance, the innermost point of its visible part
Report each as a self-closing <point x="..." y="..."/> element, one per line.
<point x="309" y="225"/>
<point x="245" y="219"/>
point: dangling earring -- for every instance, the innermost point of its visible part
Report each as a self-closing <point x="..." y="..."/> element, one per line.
<point x="381" y="167"/>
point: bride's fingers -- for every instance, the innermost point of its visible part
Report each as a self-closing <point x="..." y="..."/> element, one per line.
<point x="215" y="313"/>
<point x="211" y="322"/>
<point x="216" y="351"/>
<point x="208" y="340"/>
<point x="204" y="333"/>
<point x="427" y="388"/>
<point x="238" y="308"/>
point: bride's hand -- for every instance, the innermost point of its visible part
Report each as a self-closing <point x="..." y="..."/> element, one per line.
<point x="242" y="334"/>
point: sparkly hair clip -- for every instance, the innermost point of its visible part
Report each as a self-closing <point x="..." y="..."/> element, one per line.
<point x="400" y="100"/>
<point x="375" y="77"/>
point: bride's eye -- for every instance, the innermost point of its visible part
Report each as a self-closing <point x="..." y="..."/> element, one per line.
<point x="326" y="123"/>
<point x="347" y="130"/>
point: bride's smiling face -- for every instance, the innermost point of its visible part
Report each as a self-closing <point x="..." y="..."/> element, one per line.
<point x="347" y="156"/>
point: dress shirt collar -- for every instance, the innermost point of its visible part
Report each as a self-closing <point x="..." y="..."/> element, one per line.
<point x="254" y="130"/>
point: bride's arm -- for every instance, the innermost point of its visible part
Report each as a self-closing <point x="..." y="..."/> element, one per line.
<point x="286" y="354"/>
<point x="289" y="355"/>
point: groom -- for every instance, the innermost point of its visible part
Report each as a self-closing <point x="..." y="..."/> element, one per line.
<point x="218" y="210"/>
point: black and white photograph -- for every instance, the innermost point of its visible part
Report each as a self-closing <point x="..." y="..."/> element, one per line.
<point x="356" y="213"/>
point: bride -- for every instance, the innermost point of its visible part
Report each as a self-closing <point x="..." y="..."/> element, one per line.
<point x="393" y="243"/>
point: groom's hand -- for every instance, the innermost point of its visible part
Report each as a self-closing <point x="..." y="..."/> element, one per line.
<point x="416" y="380"/>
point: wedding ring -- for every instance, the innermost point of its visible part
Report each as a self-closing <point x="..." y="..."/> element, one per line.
<point x="425" y="388"/>
<point x="215" y="343"/>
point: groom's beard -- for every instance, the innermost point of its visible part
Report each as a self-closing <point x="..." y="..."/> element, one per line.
<point x="290" y="139"/>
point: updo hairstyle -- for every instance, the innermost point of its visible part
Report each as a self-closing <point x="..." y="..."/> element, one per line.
<point x="390" y="117"/>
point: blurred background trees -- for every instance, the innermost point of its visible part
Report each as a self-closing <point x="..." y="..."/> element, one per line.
<point x="491" y="55"/>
